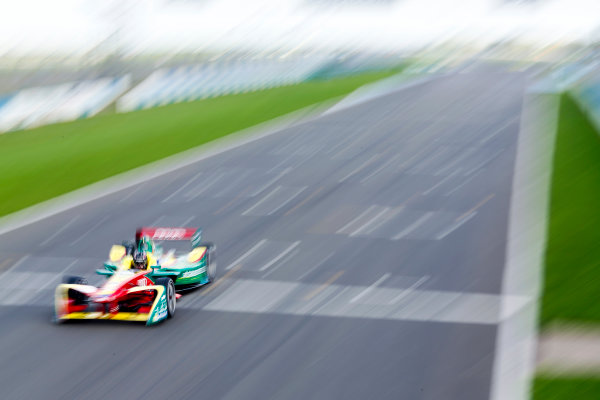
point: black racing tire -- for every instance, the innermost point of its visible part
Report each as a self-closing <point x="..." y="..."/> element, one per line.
<point x="74" y="280"/>
<point x="170" y="293"/>
<point x="211" y="262"/>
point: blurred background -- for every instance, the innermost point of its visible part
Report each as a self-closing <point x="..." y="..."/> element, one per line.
<point x="79" y="57"/>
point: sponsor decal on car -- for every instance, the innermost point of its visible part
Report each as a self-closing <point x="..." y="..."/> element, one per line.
<point x="192" y="273"/>
<point x="161" y="309"/>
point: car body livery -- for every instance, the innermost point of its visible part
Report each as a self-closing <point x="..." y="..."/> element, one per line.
<point x="139" y="294"/>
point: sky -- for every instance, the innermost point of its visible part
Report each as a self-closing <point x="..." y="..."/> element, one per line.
<point x="76" y="26"/>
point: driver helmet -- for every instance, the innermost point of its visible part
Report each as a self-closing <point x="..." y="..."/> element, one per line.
<point x="140" y="260"/>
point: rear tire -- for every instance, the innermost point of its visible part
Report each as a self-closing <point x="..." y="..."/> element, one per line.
<point x="170" y="293"/>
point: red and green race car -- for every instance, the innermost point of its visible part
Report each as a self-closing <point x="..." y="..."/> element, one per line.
<point x="143" y="279"/>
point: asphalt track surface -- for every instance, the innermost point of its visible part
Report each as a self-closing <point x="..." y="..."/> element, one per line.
<point x="360" y="255"/>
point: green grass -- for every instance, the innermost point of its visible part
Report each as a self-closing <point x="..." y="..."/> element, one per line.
<point x="566" y="388"/>
<point x="572" y="273"/>
<point x="41" y="163"/>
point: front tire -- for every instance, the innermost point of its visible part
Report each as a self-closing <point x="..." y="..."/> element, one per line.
<point x="170" y="294"/>
<point x="211" y="262"/>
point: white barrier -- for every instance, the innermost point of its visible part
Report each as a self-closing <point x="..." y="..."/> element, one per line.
<point x="33" y="107"/>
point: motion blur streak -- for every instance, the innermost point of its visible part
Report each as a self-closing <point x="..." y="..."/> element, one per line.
<point x="426" y="305"/>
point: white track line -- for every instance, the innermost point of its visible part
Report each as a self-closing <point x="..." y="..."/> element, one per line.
<point x="15" y="265"/>
<point x="413" y="226"/>
<point x="317" y="265"/>
<point x="261" y="200"/>
<point x="455" y="226"/>
<point x="343" y="228"/>
<point x="246" y="254"/>
<point x="514" y="359"/>
<point x="92" y="229"/>
<point x="272" y="181"/>
<point x="288" y="200"/>
<point x="369" y="161"/>
<point x="59" y="231"/>
<point x="370" y="288"/>
<point x="290" y="256"/>
<point x="371" y="221"/>
<point x="280" y="256"/>
<point x="410" y="289"/>
<point x="175" y="193"/>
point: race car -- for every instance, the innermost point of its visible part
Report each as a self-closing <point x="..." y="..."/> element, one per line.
<point x="142" y="279"/>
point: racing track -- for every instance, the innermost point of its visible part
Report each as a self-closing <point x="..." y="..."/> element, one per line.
<point x="360" y="256"/>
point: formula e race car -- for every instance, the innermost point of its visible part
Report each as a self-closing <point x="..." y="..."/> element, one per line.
<point x="142" y="279"/>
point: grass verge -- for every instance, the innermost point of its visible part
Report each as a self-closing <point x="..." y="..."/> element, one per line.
<point x="572" y="273"/>
<point x="42" y="163"/>
<point x="566" y="388"/>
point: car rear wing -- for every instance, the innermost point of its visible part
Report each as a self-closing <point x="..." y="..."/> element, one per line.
<point x="160" y="233"/>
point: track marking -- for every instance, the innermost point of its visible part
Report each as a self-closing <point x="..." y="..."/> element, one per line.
<point x="92" y="229"/>
<point x="169" y="197"/>
<point x="292" y="255"/>
<point x="246" y="254"/>
<point x="261" y="200"/>
<point x="363" y="165"/>
<point x="287" y="201"/>
<point x="410" y="289"/>
<point x="269" y="183"/>
<point x="280" y="256"/>
<point x="413" y="226"/>
<point x="381" y="168"/>
<point x="303" y="202"/>
<point x="205" y="186"/>
<point x="59" y="231"/>
<point x="317" y="265"/>
<point x="5" y="262"/>
<point x="187" y="221"/>
<point x="322" y="287"/>
<point x="343" y="228"/>
<point x="235" y="199"/>
<point x="339" y="294"/>
<point x="431" y="189"/>
<point x="15" y="265"/>
<point x="131" y="193"/>
<point x="478" y="205"/>
<point x="372" y="220"/>
<point x="370" y="288"/>
<point x="455" y="226"/>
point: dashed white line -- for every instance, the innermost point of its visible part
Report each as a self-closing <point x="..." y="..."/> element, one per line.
<point x="131" y="193"/>
<point x="288" y="200"/>
<point x="370" y="288"/>
<point x="246" y="254"/>
<point x="15" y="265"/>
<point x="269" y="183"/>
<point x="262" y="200"/>
<point x="181" y="188"/>
<point x="92" y="229"/>
<point x="455" y="226"/>
<point x="187" y="221"/>
<point x="289" y="257"/>
<point x="280" y="256"/>
<point x="339" y="294"/>
<point x="410" y="289"/>
<point x="369" y="161"/>
<point x="317" y="265"/>
<point x="431" y="189"/>
<point x="371" y="221"/>
<point x="413" y="226"/>
<point x="342" y="229"/>
<point x="205" y="185"/>
<point x="59" y="231"/>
